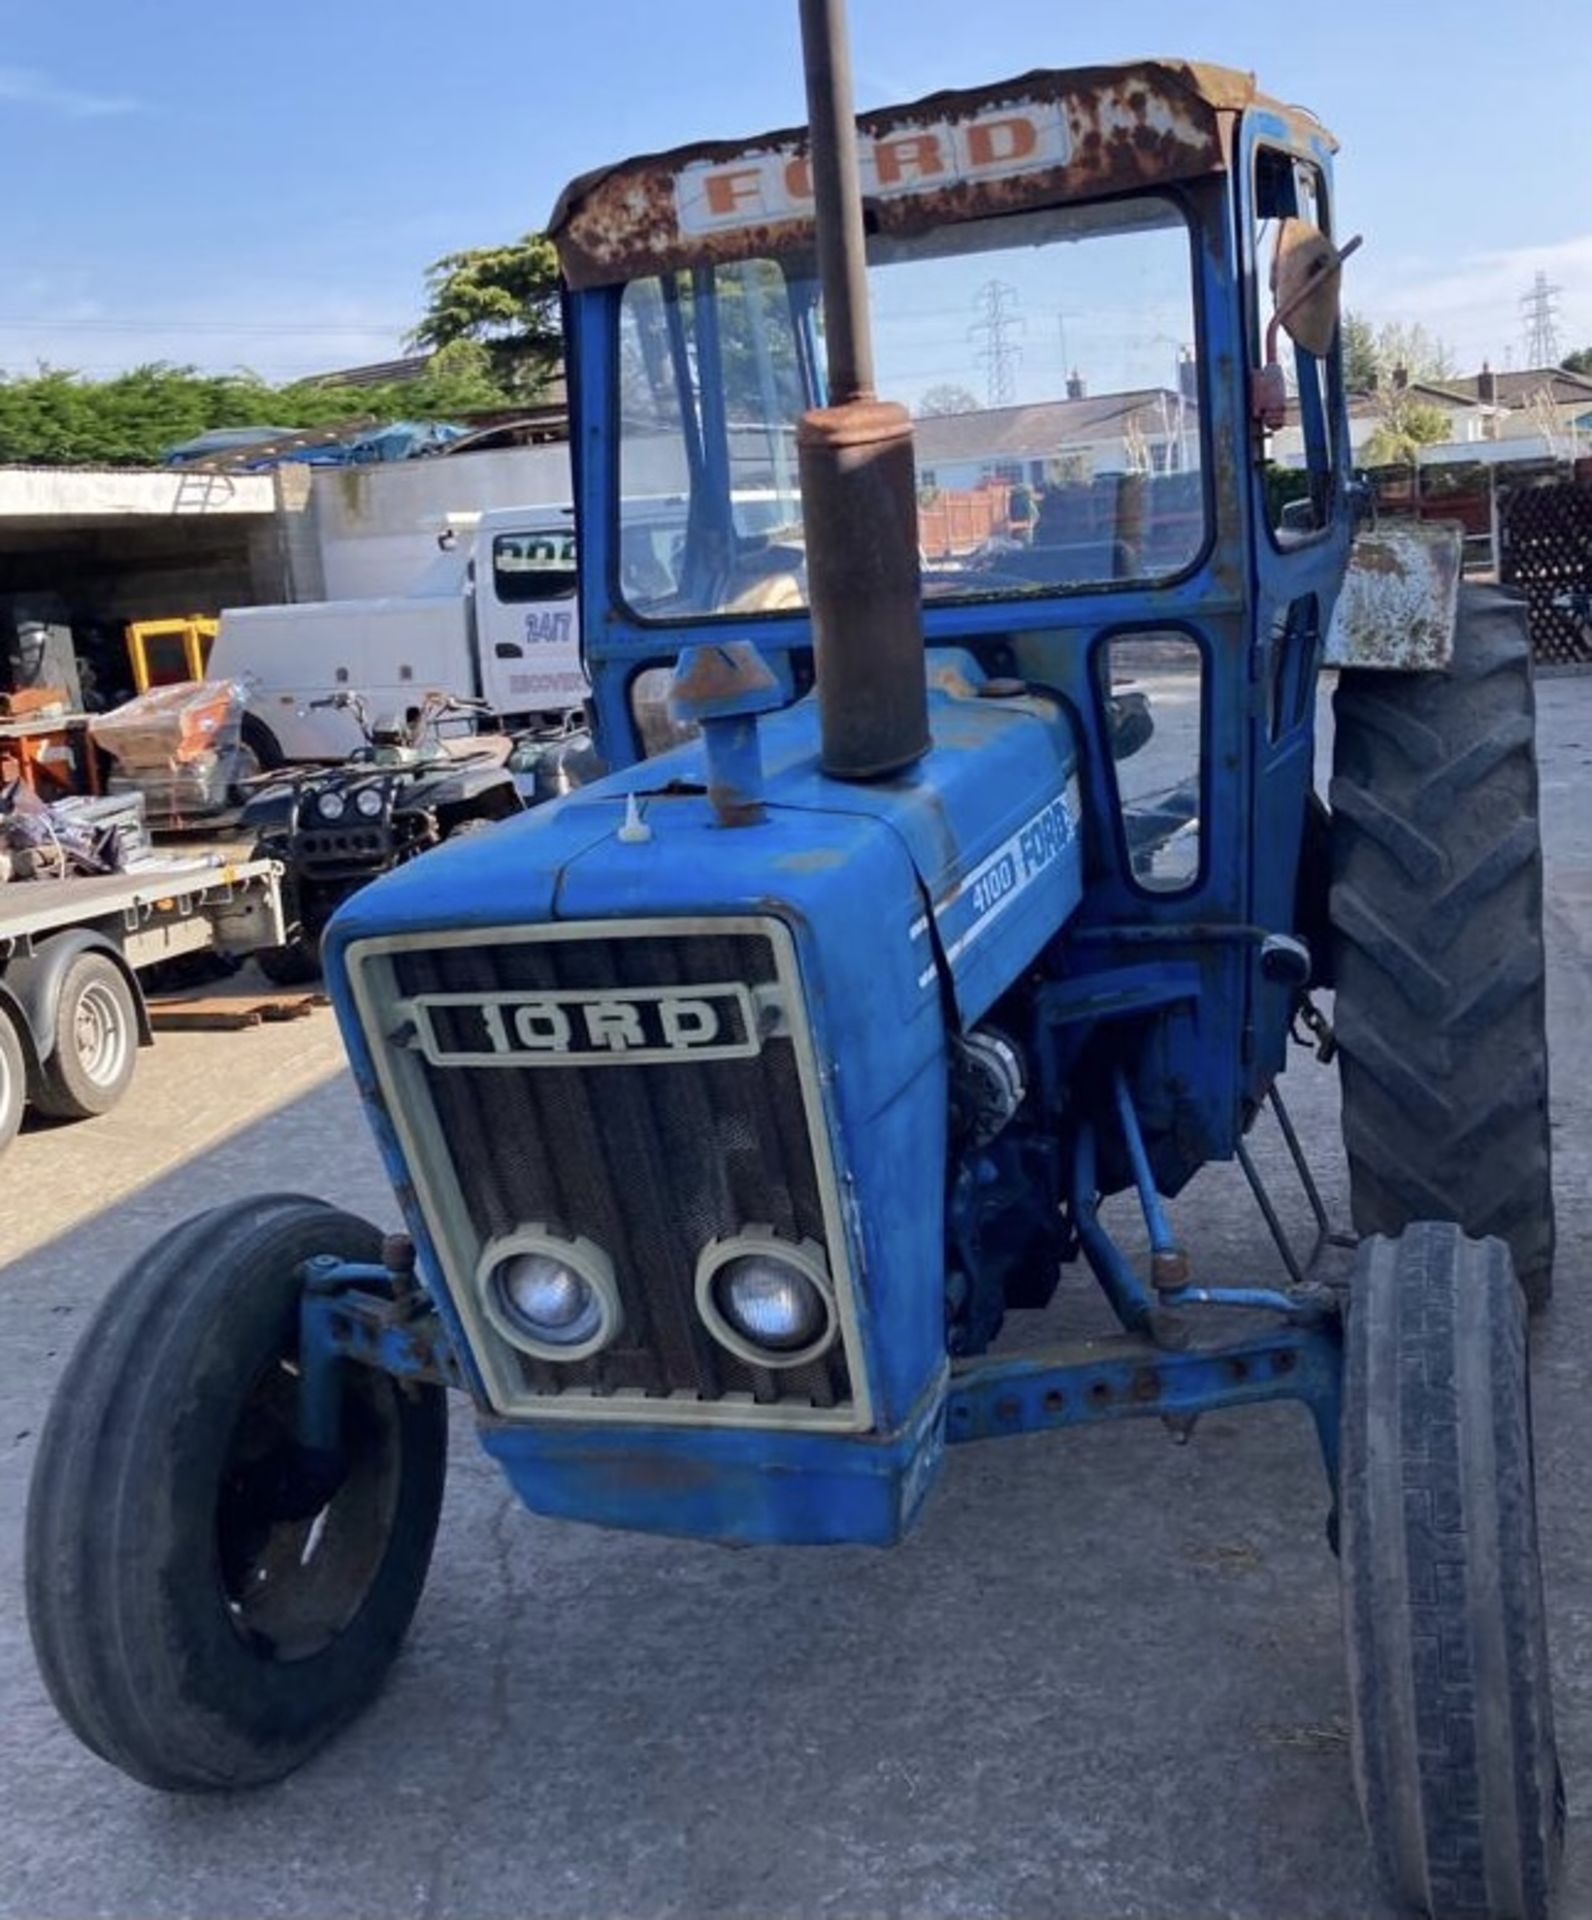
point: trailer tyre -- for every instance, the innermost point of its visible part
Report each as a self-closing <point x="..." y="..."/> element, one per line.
<point x="13" y="1080"/>
<point x="1436" y="908"/>
<point x="1451" y="1718"/>
<point x="96" y="1041"/>
<point x="209" y="1605"/>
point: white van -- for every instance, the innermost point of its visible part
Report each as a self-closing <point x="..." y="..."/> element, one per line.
<point x="497" y="620"/>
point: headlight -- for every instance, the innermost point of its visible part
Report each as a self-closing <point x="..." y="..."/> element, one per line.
<point x="331" y="805"/>
<point x="369" y="802"/>
<point x="768" y="1302"/>
<point x="552" y="1298"/>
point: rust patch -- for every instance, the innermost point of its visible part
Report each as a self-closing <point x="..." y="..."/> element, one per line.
<point x="952" y="156"/>
<point x="711" y="675"/>
<point x="1399" y="600"/>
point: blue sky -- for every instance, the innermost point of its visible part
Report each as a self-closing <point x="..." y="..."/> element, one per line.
<point x="262" y="184"/>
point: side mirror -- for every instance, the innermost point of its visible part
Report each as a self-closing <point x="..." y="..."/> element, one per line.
<point x="1306" y="280"/>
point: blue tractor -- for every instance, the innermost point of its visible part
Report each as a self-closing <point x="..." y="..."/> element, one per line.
<point x="957" y="870"/>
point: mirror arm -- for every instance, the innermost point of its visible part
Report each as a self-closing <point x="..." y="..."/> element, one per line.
<point x="1304" y="292"/>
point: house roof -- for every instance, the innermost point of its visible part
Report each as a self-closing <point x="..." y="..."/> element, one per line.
<point x="1519" y="388"/>
<point x="1047" y="427"/>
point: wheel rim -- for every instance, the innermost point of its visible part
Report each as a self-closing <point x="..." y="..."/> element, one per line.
<point x="99" y="1033"/>
<point x="298" y="1547"/>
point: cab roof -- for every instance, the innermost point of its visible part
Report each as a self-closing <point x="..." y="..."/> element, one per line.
<point x="1055" y="134"/>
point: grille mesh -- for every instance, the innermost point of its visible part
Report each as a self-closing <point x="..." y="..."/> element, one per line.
<point x="650" y="1161"/>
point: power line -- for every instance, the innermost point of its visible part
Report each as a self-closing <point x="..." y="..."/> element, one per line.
<point x="997" y="325"/>
<point x="1540" y="308"/>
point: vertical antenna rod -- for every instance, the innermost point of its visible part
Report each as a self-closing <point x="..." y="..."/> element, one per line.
<point x="837" y="198"/>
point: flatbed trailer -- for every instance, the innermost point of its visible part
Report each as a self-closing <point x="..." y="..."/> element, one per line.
<point x="72" y="1010"/>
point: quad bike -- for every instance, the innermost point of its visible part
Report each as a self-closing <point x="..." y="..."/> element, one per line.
<point x="335" y="828"/>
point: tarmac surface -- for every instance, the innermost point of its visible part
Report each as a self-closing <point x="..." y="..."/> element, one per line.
<point x="1104" y="1676"/>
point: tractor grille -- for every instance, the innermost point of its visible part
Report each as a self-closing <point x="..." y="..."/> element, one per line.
<point x="650" y="1159"/>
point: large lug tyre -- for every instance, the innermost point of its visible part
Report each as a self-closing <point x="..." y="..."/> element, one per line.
<point x="208" y="1603"/>
<point x="13" y="1080"/>
<point x="96" y="1042"/>
<point x="1451" y="1718"/>
<point x="298" y="964"/>
<point x="1436" y="907"/>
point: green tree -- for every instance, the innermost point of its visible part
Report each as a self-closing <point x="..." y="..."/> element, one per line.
<point x="1578" y="362"/>
<point x="1406" y="426"/>
<point x="948" y="398"/>
<point x="1372" y="354"/>
<point x="504" y="299"/>
<point x="59" y="418"/>
<point x="1360" y="372"/>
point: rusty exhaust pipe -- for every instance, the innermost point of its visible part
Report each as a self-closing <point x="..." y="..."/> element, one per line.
<point x="858" y="478"/>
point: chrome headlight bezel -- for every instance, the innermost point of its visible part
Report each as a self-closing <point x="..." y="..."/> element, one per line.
<point x="761" y="1242"/>
<point x="582" y="1257"/>
<point x="330" y="805"/>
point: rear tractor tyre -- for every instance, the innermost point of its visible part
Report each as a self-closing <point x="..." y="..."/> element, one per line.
<point x="96" y="1042"/>
<point x="1436" y="907"/>
<point x="1451" y="1719"/>
<point x="209" y="1602"/>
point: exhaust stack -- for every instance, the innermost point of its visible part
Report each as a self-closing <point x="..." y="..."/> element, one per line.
<point x="858" y="479"/>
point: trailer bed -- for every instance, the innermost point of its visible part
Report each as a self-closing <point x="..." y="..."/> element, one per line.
<point x="156" y="912"/>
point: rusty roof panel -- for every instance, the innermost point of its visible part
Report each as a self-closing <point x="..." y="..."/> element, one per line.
<point x="1049" y="136"/>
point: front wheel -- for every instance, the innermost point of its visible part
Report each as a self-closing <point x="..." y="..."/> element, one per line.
<point x="96" y="1041"/>
<point x="208" y="1602"/>
<point x="1451" y="1717"/>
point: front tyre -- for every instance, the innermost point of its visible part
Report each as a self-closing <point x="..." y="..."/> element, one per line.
<point x="1451" y="1717"/>
<point x="208" y="1605"/>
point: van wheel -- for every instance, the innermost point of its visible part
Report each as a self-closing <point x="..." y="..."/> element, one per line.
<point x="96" y="1042"/>
<point x="260" y="741"/>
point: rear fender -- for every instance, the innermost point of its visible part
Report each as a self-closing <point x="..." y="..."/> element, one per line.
<point x="33" y="985"/>
<point x="1399" y="600"/>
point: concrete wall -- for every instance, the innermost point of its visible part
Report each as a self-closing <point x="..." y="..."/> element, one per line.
<point x="376" y="527"/>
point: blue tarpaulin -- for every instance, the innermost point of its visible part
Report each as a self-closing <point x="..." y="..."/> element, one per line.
<point x="256" y="449"/>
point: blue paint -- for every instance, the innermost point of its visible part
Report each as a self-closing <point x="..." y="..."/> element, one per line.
<point x="988" y="884"/>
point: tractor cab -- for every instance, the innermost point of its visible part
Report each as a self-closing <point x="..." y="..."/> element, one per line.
<point x="1120" y="496"/>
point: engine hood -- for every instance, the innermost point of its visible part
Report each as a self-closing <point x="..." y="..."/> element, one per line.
<point x="956" y="872"/>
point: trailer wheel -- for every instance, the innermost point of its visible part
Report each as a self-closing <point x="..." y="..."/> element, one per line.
<point x="208" y="1603"/>
<point x="96" y="1042"/>
<point x="13" y="1080"/>
<point x="1450" y="1713"/>
<point x="1436" y="907"/>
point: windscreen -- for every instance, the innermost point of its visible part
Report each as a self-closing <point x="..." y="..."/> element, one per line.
<point x="1049" y="362"/>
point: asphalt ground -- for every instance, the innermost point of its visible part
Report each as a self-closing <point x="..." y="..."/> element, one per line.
<point x="1104" y="1676"/>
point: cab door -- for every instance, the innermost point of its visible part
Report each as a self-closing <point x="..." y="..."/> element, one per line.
<point x="1301" y="520"/>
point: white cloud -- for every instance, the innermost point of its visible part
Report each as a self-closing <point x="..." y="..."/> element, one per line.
<point x="26" y="87"/>
<point x="1474" y="303"/>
